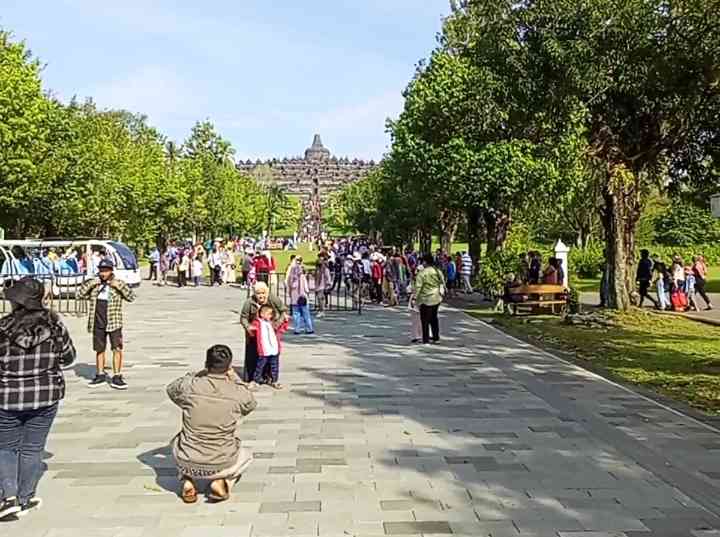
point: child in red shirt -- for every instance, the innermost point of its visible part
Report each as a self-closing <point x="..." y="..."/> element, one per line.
<point x="268" y="348"/>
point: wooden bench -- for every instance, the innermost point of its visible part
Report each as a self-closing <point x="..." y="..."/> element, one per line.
<point x="537" y="298"/>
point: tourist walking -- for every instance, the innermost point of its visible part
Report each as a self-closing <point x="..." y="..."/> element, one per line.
<point x="298" y="287"/>
<point x="700" y="272"/>
<point x="429" y="293"/>
<point x="260" y="297"/>
<point x="644" y="278"/>
<point x="323" y="283"/>
<point x="183" y="268"/>
<point x="197" y="270"/>
<point x="106" y="295"/>
<point x="247" y="264"/>
<point x="154" y="258"/>
<point x="215" y="262"/>
<point x="34" y="346"/>
<point x="415" y="320"/>
<point x="466" y="272"/>
<point x="164" y="266"/>
<point x="390" y="282"/>
<point x="663" y="284"/>
<point x="213" y="403"/>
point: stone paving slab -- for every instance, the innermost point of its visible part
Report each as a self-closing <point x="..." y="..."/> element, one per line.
<point x="479" y="436"/>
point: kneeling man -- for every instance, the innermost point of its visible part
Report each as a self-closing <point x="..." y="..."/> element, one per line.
<point x="213" y="403"/>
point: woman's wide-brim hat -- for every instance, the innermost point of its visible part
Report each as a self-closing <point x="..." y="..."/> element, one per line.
<point x="26" y="292"/>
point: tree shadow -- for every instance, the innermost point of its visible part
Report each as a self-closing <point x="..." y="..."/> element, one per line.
<point x="472" y="434"/>
<point x="84" y="371"/>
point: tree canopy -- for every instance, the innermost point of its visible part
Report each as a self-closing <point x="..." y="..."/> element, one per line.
<point x="73" y="169"/>
<point x="568" y="114"/>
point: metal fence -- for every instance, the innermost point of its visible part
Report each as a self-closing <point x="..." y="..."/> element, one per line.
<point x="60" y="292"/>
<point x="344" y="295"/>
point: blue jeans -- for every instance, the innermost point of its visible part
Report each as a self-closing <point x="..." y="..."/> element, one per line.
<point x="302" y="313"/>
<point x="23" y="434"/>
<point x="662" y="294"/>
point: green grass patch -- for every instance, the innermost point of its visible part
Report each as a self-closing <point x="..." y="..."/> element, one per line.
<point x="668" y="354"/>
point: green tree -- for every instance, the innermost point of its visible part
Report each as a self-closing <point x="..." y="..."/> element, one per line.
<point x="24" y="131"/>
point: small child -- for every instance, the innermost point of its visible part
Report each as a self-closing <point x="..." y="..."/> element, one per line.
<point x="197" y="270"/>
<point x="268" y="348"/>
<point x="415" y="326"/>
<point x="690" y="288"/>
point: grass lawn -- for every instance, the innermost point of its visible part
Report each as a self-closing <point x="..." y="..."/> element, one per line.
<point x="670" y="355"/>
<point x="592" y="285"/>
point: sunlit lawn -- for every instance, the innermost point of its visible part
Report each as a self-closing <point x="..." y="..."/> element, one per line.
<point x="674" y="356"/>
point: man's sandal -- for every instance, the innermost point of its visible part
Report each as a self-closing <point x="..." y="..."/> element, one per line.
<point x="189" y="492"/>
<point x="219" y="491"/>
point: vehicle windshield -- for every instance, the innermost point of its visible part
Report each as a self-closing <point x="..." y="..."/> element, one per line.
<point x="126" y="254"/>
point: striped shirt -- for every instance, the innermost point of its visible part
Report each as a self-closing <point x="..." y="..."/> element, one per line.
<point x="466" y="269"/>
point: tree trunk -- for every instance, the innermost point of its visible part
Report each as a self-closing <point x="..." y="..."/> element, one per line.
<point x="620" y="216"/>
<point x="426" y="241"/>
<point x="497" y="226"/>
<point x="449" y="221"/>
<point x="474" y="224"/>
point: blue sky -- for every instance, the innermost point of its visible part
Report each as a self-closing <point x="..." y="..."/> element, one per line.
<point x="268" y="73"/>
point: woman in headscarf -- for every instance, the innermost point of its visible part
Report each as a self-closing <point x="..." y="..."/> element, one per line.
<point x="298" y="286"/>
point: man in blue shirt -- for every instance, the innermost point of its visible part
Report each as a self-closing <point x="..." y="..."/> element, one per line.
<point x="154" y="260"/>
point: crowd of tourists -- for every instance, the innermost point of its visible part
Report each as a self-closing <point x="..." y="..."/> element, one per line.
<point x="677" y="284"/>
<point x="55" y="260"/>
<point x="242" y="261"/>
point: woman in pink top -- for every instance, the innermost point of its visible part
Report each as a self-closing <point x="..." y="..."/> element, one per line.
<point x="700" y="270"/>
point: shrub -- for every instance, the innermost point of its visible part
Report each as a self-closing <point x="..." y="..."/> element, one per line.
<point x="710" y="251"/>
<point x="494" y="270"/>
<point x="587" y="262"/>
<point x="686" y="225"/>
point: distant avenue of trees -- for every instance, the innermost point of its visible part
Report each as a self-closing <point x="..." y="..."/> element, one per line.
<point x="73" y="169"/>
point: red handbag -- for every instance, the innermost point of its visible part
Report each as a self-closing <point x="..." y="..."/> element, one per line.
<point x="679" y="300"/>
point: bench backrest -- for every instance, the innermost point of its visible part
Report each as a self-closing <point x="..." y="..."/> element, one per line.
<point x="537" y="289"/>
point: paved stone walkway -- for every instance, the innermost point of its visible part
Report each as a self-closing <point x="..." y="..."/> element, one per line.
<point x="479" y="436"/>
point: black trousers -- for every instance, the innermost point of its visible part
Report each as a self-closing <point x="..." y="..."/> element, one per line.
<point x="644" y="288"/>
<point x="429" y="320"/>
<point x="153" y="271"/>
<point x="700" y="289"/>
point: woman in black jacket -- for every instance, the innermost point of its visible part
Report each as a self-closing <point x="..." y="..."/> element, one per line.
<point x="34" y="346"/>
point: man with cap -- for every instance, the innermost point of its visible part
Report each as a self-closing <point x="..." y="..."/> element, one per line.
<point x="34" y="347"/>
<point x="106" y="294"/>
<point x="213" y="403"/>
